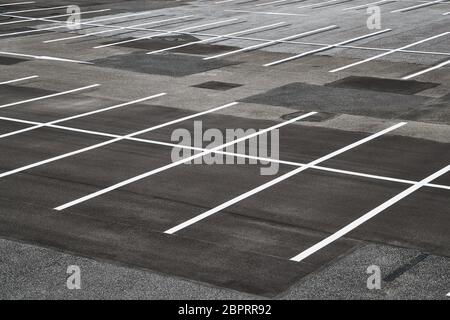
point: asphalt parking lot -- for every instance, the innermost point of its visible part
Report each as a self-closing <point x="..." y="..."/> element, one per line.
<point x="87" y="175"/>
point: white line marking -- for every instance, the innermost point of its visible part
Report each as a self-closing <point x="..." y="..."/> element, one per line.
<point x="440" y="65"/>
<point x="368" y="5"/>
<point x="42" y="57"/>
<point x="64" y="23"/>
<point x="218" y="38"/>
<point x="116" y="29"/>
<point x="53" y="17"/>
<point x="446" y="14"/>
<point x="268" y="13"/>
<point x="389" y="52"/>
<point x="48" y="96"/>
<point x="18" y="80"/>
<point x="376" y="177"/>
<point x="247" y="38"/>
<point x="269" y="3"/>
<point x="418" y="6"/>
<point x="173" y="145"/>
<point x="165" y="33"/>
<point x="40" y="125"/>
<point x="102" y="144"/>
<point x="35" y="10"/>
<point x="223" y="1"/>
<point x="16" y="4"/>
<point x="28" y="31"/>
<point x="326" y="48"/>
<point x="176" y="163"/>
<point x="317" y="4"/>
<point x="342" y="232"/>
<point x="278" y="180"/>
<point x="273" y="42"/>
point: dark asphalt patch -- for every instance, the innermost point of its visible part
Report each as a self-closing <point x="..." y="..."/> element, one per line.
<point x="7" y="61"/>
<point x="204" y="122"/>
<point x="396" y="157"/>
<point x="126" y="225"/>
<point x="383" y="85"/>
<point x="445" y="179"/>
<point x="168" y="64"/>
<point x="138" y="247"/>
<point x="129" y="119"/>
<point x="11" y="93"/>
<point x="419" y="221"/>
<point x="9" y="126"/>
<point x="40" y="144"/>
<point x="217" y="85"/>
<point x="159" y="43"/>
<point x="309" y="97"/>
<point x="318" y="117"/>
<point x="310" y="202"/>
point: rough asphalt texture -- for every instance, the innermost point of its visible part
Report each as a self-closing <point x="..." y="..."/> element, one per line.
<point x="243" y="251"/>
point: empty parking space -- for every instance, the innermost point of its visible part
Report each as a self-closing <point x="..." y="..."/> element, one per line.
<point x="256" y="141"/>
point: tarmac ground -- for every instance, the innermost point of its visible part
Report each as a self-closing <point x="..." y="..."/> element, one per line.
<point x="87" y="170"/>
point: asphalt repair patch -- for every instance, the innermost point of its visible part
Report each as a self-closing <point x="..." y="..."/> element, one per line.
<point x="383" y="85"/>
<point x="159" y="43"/>
<point x="308" y="97"/>
<point x="167" y="64"/>
<point x="7" y="61"/>
<point x="217" y="85"/>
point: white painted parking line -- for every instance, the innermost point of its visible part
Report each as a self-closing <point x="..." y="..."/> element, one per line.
<point x="204" y="34"/>
<point x="38" y="9"/>
<point x="377" y="177"/>
<point x="268" y="13"/>
<point x="440" y="65"/>
<point x="85" y="114"/>
<point x="177" y="163"/>
<point x="390" y="52"/>
<point x="278" y="180"/>
<point x="16" y="3"/>
<point x="23" y="55"/>
<point x="16" y="33"/>
<point x="166" y="33"/>
<point x="269" y="3"/>
<point x="318" y="44"/>
<point x="108" y="142"/>
<point x="326" y="48"/>
<point x="173" y="145"/>
<point x="53" y="17"/>
<point x="63" y="24"/>
<point x="224" y="1"/>
<point x="118" y="28"/>
<point x="369" y="5"/>
<point x="446" y="14"/>
<point x="273" y="42"/>
<point x="350" y="227"/>
<point x="318" y="4"/>
<point x="221" y="37"/>
<point x="423" y="5"/>
<point x="48" y="96"/>
<point x="19" y="80"/>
